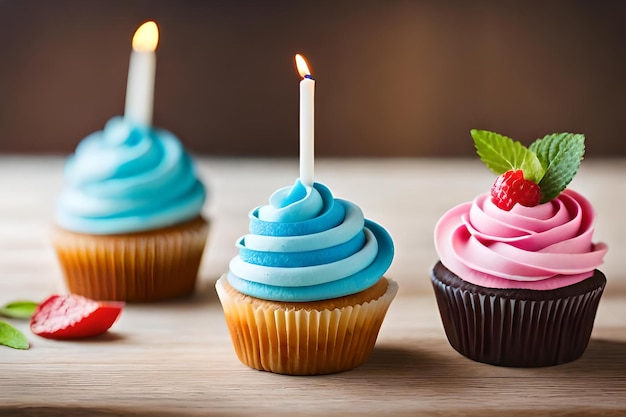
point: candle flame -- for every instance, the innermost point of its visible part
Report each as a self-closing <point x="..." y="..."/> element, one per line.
<point x="146" y="37"/>
<point x="303" y="68"/>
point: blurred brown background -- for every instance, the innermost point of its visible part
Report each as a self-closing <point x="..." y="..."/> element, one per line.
<point x="394" y="78"/>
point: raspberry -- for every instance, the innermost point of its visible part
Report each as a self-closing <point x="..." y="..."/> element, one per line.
<point x="511" y="188"/>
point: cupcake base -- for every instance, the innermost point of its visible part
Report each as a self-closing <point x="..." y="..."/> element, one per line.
<point x="136" y="267"/>
<point x="308" y="338"/>
<point x="517" y="327"/>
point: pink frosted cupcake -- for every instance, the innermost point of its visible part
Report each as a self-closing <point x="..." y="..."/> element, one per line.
<point x="517" y="283"/>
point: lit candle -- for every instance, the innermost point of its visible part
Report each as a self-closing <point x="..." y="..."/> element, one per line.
<point x="307" y="107"/>
<point x="140" y="86"/>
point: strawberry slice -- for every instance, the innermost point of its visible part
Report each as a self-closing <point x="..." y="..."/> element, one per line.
<point x="73" y="317"/>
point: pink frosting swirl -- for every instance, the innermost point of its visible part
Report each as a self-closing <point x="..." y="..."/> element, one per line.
<point x="543" y="247"/>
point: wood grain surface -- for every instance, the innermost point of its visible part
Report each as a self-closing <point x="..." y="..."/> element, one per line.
<point x="175" y="358"/>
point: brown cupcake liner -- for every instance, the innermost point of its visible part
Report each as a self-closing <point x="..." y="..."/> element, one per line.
<point x="517" y="328"/>
<point x="135" y="267"/>
<point x="305" y="338"/>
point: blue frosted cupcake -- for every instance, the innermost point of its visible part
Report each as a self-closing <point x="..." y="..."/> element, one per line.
<point x="306" y="294"/>
<point x="128" y="222"/>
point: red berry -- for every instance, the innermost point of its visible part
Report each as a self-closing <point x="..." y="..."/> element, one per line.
<point x="511" y="188"/>
<point x="73" y="317"/>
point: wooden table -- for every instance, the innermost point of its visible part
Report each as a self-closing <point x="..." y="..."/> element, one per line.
<point x="176" y="359"/>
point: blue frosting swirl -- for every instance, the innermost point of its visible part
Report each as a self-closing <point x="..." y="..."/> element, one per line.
<point x="128" y="178"/>
<point x="308" y="246"/>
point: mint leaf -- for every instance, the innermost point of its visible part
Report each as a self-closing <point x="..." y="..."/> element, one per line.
<point x="501" y="154"/>
<point x="11" y="337"/>
<point x="560" y="154"/>
<point x="18" y="309"/>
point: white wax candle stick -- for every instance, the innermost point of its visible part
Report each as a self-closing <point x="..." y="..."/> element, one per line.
<point x="307" y="130"/>
<point x="307" y="122"/>
<point x="141" y="73"/>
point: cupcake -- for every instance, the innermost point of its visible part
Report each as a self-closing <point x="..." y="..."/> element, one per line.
<point x="306" y="294"/>
<point x="128" y="221"/>
<point x="517" y="282"/>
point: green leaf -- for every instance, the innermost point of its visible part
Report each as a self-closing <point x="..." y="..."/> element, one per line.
<point x="560" y="154"/>
<point x="11" y="337"/>
<point x="18" y="309"/>
<point x="501" y="154"/>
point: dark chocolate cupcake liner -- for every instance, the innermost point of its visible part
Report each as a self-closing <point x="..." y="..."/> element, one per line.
<point x="517" y="328"/>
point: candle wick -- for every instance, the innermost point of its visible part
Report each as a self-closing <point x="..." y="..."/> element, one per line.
<point x="309" y="76"/>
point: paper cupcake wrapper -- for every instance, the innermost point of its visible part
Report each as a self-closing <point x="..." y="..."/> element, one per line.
<point x="302" y="341"/>
<point x="496" y="327"/>
<point x="136" y="267"/>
